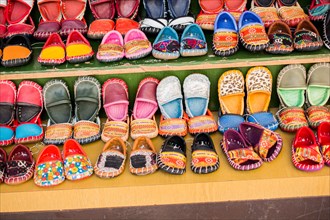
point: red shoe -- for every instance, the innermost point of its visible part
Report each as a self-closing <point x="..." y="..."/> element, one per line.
<point x="323" y="134"/>
<point x="127" y="9"/>
<point x="18" y="11"/>
<point x="3" y="161"/>
<point x="3" y="22"/>
<point x="123" y="25"/>
<point x="27" y="28"/>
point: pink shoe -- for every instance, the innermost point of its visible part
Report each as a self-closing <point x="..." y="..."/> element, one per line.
<point x="323" y="134"/>
<point x="111" y="48"/>
<point x="137" y="44"/>
<point x="3" y="27"/>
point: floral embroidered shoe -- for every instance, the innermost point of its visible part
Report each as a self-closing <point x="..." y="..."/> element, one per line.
<point x="280" y="38"/>
<point x="252" y="32"/>
<point x="87" y="93"/>
<point x="137" y="45"/>
<point x="155" y="20"/>
<point x="307" y="37"/>
<point x="115" y="104"/>
<point x="172" y="155"/>
<point x="3" y="163"/>
<point x="290" y="12"/>
<point x="77" y="166"/>
<point x="225" y="37"/>
<point x="111" y="48"/>
<point x="209" y="12"/>
<point x="143" y="157"/>
<point x="20" y="166"/>
<point x="204" y="157"/>
<point x="111" y="162"/>
<point x="59" y="110"/>
<point x="49" y="169"/>
<point x="166" y="46"/>
<point x="326" y="30"/>
<point x="239" y="155"/>
<point x="193" y="42"/>
<point x="3" y="22"/>
<point x="235" y="8"/>
<point x="78" y="49"/>
<point x="266" y="143"/>
<point x="53" y="52"/>
<point x="179" y="14"/>
<point x="323" y="136"/>
<point x="266" y="10"/>
<point x="306" y="153"/>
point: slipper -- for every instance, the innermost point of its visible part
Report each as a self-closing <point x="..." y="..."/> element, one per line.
<point x="111" y="162"/>
<point x="3" y="162"/>
<point x="264" y="3"/>
<point x="77" y="166"/>
<point x="252" y="32"/>
<point x="17" y="51"/>
<point x="306" y="153"/>
<point x="166" y="46"/>
<point x="155" y="20"/>
<point x="265" y="119"/>
<point x="259" y="84"/>
<point x="280" y="38"/>
<point x="211" y="6"/>
<point x="202" y="124"/>
<point x="204" y="158"/>
<point x="3" y="22"/>
<point x="172" y="155"/>
<point x="46" y="29"/>
<point x="225" y="37"/>
<point x="112" y="129"/>
<point x="236" y="8"/>
<point x="99" y="28"/>
<point x="316" y="115"/>
<point x="49" y="169"/>
<point x="229" y="121"/>
<point x="266" y="143"/>
<point x="127" y="9"/>
<point x="318" y="9"/>
<point x="124" y="25"/>
<point x="18" y="11"/>
<point x="307" y="37"/>
<point x="59" y="110"/>
<point x="70" y="25"/>
<point x="111" y="48"/>
<point x="173" y="126"/>
<point x="153" y="26"/>
<point x="28" y="111"/>
<point x="53" y="51"/>
<point x="323" y="136"/>
<point x="239" y="155"/>
<point x="7" y="109"/>
<point x="78" y="49"/>
<point x="193" y="42"/>
<point x="266" y="10"/>
<point x="291" y="12"/>
<point x="73" y="9"/>
<point x="318" y="80"/>
<point x="178" y="11"/>
<point x="20" y="165"/>
<point x="143" y="157"/>
<point x="27" y="29"/>
<point x="87" y="106"/>
<point x="206" y="21"/>
<point x="326" y="30"/>
<point x="137" y="45"/>
<point x="182" y="22"/>
<point x="291" y="118"/>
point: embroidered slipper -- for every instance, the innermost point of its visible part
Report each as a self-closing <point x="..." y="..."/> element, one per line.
<point x="318" y="9"/>
<point x="209" y="11"/>
<point x="28" y="110"/>
<point x="307" y="37"/>
<point x="77" y="166"/>
<point x="115" y="104"/>
<point x="166" y="46"/>
<point x="265" y="119"/>
<point x="53" y="51"/>
<point x="127" y="9"/>
<point x="20" y="165"/>
<point x="111" y="48"/>
<point x="291" y="118"/>
<point x="266" y="143"/>
<point x="87" y="93"/>
<point x="46" y="29"/>
<point x="78" y="49"/>
<point x="3" y="22"/>
<point x="49" y="169"/>
<point x="266" y="10"/>
<point x="17" y="51"/>
<point x="206" y="21"/>
<point x="236" y="8"/>
<point x="145" y="107"/>
<point x="316" y="115"/>
<point x="59" y="110"/>
<point x="70" y="25"/>
<point x="239" y="155"/>
<point x="204" y="158"/>
<point x="137" y="45"/>
<point x="193" y="42"/>
<point x="225" y="37"/>
<point x="291" y="12"/>
<point x="326" y="30"/>
<point x="124" y="25"/>
<point x="280" y="38"/>
<point x="99" y="28"/>
<point x="306" y="153"/>
<point x="143" y="157"/>
<point x="264" y="3"/>
<point x="27" y="28"/>
<point x="3" y="162"/>
<point x="7" y="109"/>
<point x="252" y="32"/>
<point x="155" y="20"/>
<point x="172" y="155"/>
<point x="111" y="162"/>
<point x="18" y="11"/>
<point x="318" y="80"/>
<point x="323" y="136"/>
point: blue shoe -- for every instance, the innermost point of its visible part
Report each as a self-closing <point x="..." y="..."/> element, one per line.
<point x="193" y="42"/>
<point x="166" y="46"/>
<point x="229" y="121"/>
<point x="265" y="119"/>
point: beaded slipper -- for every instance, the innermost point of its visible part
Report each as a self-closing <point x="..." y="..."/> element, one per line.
<point x="266" y="11"/>
<point x="137" y="45"/>
<point x="209" y="11"/>
<point x="111" y="48"/>
<point x="280" y="38"/>
<point x="235" y="8"/>
<point x="290" y="12"/>
<point x="326" y="30"/>
<point x="316" y="115"/>
<point x="323" y="136"/>
<point x="143" y="157"/>
<point x="166" y="46"/>
<point x="78" y="49"/>
<point x="307" y="37"/>
<point x="17" y="51"/>
<point x="3" y="22"/>
<point x="3" y="164"/>
<point x="178" y="11"/>
<point x="155" y="20"/>
<point x="53" y="51"/>
<point x="193" y="42"/>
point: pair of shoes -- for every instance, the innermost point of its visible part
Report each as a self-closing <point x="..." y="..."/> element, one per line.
<point x="104" y="13"/>
<point x="115" y="103"/>
<point x="247" y="148"/>
<point x="76" y="50"/>
<point x="291" y="90"/>
<point x="51" y="169"/>
<point x="167" y="46"/>
<point x="326" y="30"/>
<point x="309" y="154"/>
<point x="172" y="156"/>
<point x="20" y="112"/>
<point x="111" y="162"/>
<point x="18" y="167"/>
<point x="231" y="97"/>
<point x="85" y="125"/>
<point x="166" y="13"/>
<point x="61" y="16"/>
<point x="113" y="47"/>
<point x="318" y="9"/>
<point x="174" y="121"/>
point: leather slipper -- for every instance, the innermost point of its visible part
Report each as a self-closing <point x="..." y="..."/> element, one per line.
<point x="265" y="119"/>
<point x="111" y="48"/>
<point x="18" y="11"/>
<point x="236" y="8"/>
<point x="264" y="3"/>
<point x="46" y="29"/>
<point x="307" y="37"/>
<point x="124" y="25"/>
<point x="73" y="17"/>
<point x="155" y="19"/>
<point x="53" y="51"/>
<point x="318" y="9"/>
<point x="99" y="28"/>
<point x="266" y="10"/>
<point x="211" y="6"/>
<point x="323" y="136"/>
<point x="27" y="28"/>
<point x="280" y="38"/>
<point x="136" y="44"/>
<point x="70" y="25"/>
<point x="127" y="9"/>
<point x="17" y="51"/>
<point x="3" y="22"/>
<point x="290" y="12"/>
<point x="316" y="115"/>
<point x="179" y="13"/>
<point x="78" y="49"/>
<point x="3" y="162"/>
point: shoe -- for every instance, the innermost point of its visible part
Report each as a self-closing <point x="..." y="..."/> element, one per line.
<point x="3" y="163"/>
<point x="111" y="48"/>
<point x="316" y="115"/>
<point x="137" y="45"/>
<point x="3" y="22"/>
<point x="155" y="20"/>
<point x="127" y="9"/>
<point x="208" y="13"/>
<point x="166" y="46"/>
<point x="18" y="11"/>
<point x="307" y="37"/>
<point x="193" y="42"/>
<point x="236" y="8"/>
<point x="27" y="29"/>
<point x="266" y="10"/>
<point x="143" y="157"/>
<point x="204" y="158"/>
<point x="280" y="38"/>
<point x="265" y="119"/>
<point x="99" y="28"/>
<point x="53" y="51"/>
<point x="323" y="136"/>
<point x="124" y="25"/>
<point x="318" y="9"/>
<point x="290" y="12"/>
<point x="78" y="49"/>
<point x="178" y="13"/>
<point x="326" y="30"/>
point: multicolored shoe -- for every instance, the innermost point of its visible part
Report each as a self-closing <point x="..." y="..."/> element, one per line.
<point x="166" y="46"/>
<point x="137" y="45"/>
<point x="111" y="48"/>
<point x="323" y="137"/>
<point x="266" y="10"/>
<point x="78" y="49"/>
<point x="193" y="42"/>
<point x="280" y="38"/>
<point x="290" y="12"/>
<point x="53" y="51"/>
<point x="307" y="37"/>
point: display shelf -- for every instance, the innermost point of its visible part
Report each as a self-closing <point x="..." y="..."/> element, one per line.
<point x="275" y="180"/>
